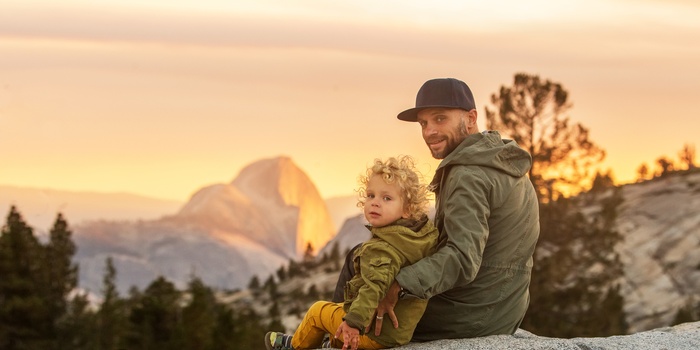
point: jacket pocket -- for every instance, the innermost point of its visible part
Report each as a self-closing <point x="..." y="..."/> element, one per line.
<point x="352" y="287"/>
<point x="379" y="270"/>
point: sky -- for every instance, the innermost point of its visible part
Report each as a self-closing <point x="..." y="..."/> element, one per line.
<point x="161" y="98"/>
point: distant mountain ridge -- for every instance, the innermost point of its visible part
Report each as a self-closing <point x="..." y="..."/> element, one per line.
<point x="39" y="206"/>
<point x="224" y="234"/>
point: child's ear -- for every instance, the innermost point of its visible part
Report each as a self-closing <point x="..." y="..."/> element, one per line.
<point x="406" y="214"/>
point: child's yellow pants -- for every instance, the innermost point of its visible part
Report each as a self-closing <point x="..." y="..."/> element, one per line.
<point x="321" y="318"/>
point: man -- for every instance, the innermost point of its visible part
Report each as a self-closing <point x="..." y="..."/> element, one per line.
<point x="488" y="217"/>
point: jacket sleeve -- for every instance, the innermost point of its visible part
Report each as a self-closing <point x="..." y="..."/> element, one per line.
<point x="466" y="208"/>
<point x="378" y="266"/>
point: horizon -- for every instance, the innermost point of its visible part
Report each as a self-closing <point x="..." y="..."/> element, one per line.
<point x="162" y="98"/>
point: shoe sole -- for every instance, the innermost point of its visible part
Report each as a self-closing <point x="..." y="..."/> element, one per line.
<point x="268" y="345"/>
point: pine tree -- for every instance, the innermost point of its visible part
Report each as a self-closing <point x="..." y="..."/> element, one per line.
<point x="61" y="274"/>
<point x="155" y="318"/>
<point x="687" y="156"/>
<point x="335" y="256"/>
<point x="281" y="274"/>
<point x="309" y="257"/>
<point x="254" y="283"/>
<point x="199" y="316"/>
<point x="602" y="182"/>
<point x="294" y="269"/>
<point x="533" y="113"/>
<point x="78" y="327"/>
<point x="111" y="317"/>
<point x="275" y="317"/>
<point x="224" y="334"/>
<point x="248" y="328"/>
<point x="24" y="313"/>
<point x="271" y="287"/>
<point x="664" y="165"/>
<point x="642" y="173"/>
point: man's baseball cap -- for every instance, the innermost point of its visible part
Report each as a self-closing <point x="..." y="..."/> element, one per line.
<point x="441" y="93"/>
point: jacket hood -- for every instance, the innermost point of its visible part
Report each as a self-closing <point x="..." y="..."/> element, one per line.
<point x="421" y="234"/>
<point x="489" y="150"/>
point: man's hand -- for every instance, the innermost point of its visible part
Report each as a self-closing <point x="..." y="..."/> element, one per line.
<point x="350" y="336"/>
<point x="386" y="307"/>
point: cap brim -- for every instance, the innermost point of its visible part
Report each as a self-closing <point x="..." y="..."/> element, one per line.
<point x="411" y="115"/>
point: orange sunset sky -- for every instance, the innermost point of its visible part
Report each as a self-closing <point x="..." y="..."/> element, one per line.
<point x="160" y="98"/>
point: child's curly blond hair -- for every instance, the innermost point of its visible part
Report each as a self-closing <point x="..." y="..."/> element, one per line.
<point x="402" y="170"/>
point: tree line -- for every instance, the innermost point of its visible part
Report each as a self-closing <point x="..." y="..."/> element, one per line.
<point x="665" y="166"/>
<point x="40" y="307"/>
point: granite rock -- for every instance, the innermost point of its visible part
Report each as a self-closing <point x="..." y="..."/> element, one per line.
<point x="681" y="337"/>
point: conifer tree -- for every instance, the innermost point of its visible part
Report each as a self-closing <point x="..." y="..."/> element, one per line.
<point x="24" y="314"/>
<point x="602" y="182"/>
<point x="664" y="165"/>
<point x="155" y="318"/>
<point x="533" y="113"/>
<point x="275" y="317"/>
<point x="199" y="316"/>
<point x="309" y="256"/>
<point x="271" y="287"/>
<point x="642" y="172"/>
<point x="687" y="156"/>
<point x="224" y="333"/>
<point x="111" y="317"/>
<point x="61" y="273"/>
<point x="294" y="269"/>
<point x="78" y="327"/>
<point x="335" y="252"/>
<point x="248" y="328"/>
<point x="282" y="273"/>
<point x="254" y="283"/>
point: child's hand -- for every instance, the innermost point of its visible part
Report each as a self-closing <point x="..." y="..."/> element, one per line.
<point x="350" y="336"/>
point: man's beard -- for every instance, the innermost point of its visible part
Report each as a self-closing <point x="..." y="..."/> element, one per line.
<point x="452" y="143"/>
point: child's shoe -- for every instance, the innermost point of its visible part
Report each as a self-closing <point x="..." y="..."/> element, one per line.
<point x="278" y="341"/>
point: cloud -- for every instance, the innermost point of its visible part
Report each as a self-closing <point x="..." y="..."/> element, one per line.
<point x="358" y="30"/>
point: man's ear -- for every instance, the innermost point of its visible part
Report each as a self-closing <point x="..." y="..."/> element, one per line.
<point x="470" y="122"/>
<point x="471" y="118"/>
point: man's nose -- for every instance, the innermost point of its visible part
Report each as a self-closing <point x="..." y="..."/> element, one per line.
<point x="429" y="130"/>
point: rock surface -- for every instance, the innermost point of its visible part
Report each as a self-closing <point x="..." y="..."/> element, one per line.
<point x="660" y="223"/>
<point x="681" y="337"/>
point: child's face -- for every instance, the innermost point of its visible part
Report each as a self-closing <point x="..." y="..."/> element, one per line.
<point x="384" y="202"/>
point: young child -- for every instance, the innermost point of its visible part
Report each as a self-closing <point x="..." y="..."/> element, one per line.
<point x="395" y="203"/>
